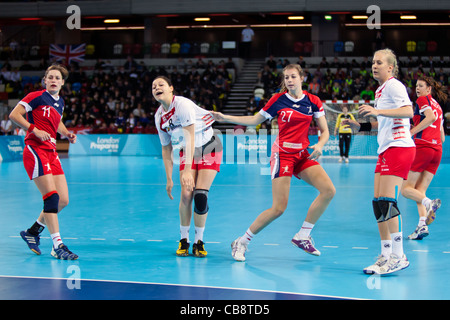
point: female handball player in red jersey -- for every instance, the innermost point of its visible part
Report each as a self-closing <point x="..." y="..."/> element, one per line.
<point x="428" y="134"/>
<point x="44" y="110"/>
<point x="295" y="110"/>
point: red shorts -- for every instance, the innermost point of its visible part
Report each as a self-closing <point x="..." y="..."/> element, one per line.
<point x="39" y="162"/>
<point x="287" y="164"/>
<point x="395" y="161"/>
<point x="427" y="159"/>
<point x="207" y="161"/>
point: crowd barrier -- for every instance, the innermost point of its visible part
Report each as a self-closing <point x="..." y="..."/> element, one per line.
<point x="240" y="148"/>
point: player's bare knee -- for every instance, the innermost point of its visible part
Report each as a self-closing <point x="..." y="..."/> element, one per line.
<point x="186" y="196"/>
<point x="279" y="209"/>
<point x="329" y="192"/>
<point x="63" y="202"/>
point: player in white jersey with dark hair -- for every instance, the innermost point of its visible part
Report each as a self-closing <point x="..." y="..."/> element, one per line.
<point x="200" y="158"/>
<point x="396" y="152"/>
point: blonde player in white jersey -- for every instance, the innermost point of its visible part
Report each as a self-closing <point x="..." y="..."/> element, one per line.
<point x="200" y="158"/>
<point x="396" y="152"/>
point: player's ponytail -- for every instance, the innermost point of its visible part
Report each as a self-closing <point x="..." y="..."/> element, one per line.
<point x="436" y="88"/>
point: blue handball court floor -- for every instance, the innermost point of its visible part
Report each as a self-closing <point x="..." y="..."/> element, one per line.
<point x="125" y="230"/>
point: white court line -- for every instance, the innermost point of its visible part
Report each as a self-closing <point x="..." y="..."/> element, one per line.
<point x="360" y="248"/>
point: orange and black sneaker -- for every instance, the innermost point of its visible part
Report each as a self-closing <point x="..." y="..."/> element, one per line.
<point x="198" y="249"/>
<point x="183" y="248"/>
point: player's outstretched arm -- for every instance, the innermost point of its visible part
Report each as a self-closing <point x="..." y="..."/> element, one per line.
<point x="241" y="120"/>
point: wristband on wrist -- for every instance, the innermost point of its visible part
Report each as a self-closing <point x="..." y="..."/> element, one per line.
<point x="31" y="128"/>
<point x="366" y="126"/>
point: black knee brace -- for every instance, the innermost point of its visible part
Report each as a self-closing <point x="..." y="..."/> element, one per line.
<point x="385" y="209"/>
<point x="51" y="203"/>
<point x="201" y="201"/>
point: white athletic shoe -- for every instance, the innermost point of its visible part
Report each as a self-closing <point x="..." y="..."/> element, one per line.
<point x="395" y="264"/>
<point x="376" y="267"/>
<point x="431" y="210"/>
<point x="238" y="250"/>
<point x="419" y="233"/>
<point x="386" y="266"/>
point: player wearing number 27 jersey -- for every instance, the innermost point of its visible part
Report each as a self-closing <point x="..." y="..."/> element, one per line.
<point x="289" y="154"/>
<point x="294" y="119"/>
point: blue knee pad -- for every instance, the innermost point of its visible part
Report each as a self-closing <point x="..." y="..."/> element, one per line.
<point x="201" y="201"/>
<point x="51" y="203"/>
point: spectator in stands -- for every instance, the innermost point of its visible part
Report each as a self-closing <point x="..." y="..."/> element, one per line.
<point x="6" y="126"/>
<point x="367" y="94"/>
<point x="271" y="63"/>
<point x="357" y="86"/>
<point x="314" y="86"/>
<point x="301" y="62"/>
<point x="130" y="64"/>
<point x="247" y="36"/>
<point x="324" y="63"/>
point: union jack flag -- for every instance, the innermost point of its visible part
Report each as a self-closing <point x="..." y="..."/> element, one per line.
<point x="68" y="52"/>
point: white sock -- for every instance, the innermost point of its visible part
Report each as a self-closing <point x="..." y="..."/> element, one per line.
<point x="199" y="234"/>
<point x="305" y="231"/>
<point x="422" y="221"/>
<point x="56" y="238"/>
<point x="247" y="237"/>
<point x="426" y="202"/>
<point x="184" y="232"/>
<point x="386" y="248"/>
<point x="397" y="244"/>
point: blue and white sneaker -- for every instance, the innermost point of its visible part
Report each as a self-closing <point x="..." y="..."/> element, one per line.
<point x="63" y="253"/>
<point x="431" y="210"/>
<point x="394" y="264"/>
<point x="33" y="242"/>
<point x="419" y="233"/>
<point x="386" y="266"/>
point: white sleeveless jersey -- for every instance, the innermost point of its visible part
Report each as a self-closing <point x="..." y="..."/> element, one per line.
<point x="392" y="132"/>
<point x="182" y="113"/>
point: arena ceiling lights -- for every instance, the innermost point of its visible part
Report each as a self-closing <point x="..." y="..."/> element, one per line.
<point x="403" y="19"/>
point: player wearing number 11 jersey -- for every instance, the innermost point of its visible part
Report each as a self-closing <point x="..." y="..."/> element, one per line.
<point x="43" y="110"/>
